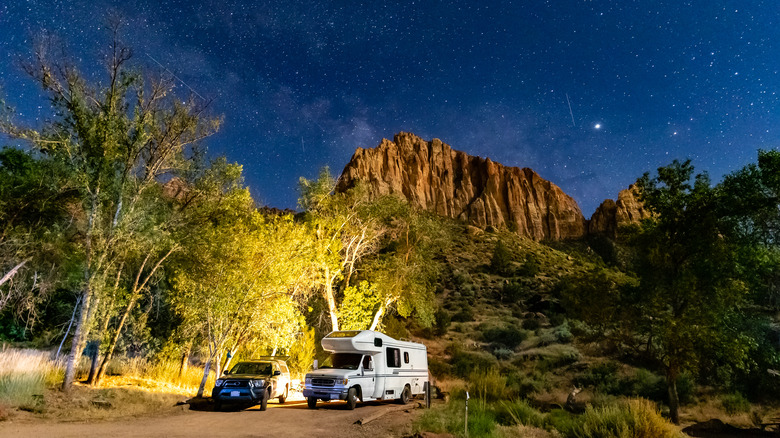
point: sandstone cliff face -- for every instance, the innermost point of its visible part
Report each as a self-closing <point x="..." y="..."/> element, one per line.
<point x="610" y="215"/>
<point x="433" y="176"/>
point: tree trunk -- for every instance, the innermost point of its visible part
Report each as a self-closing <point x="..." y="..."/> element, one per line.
<point x="206" y="370"/>
<point x="334" y="321"/>
<point x="77" y="344"/>
<point x="185" y="361"/>
<point x="93" y="375"/>
<point x="674" y="398"/>
<point x="231" y="355"/>
<point x="218" y="369"/>
<point x="111" y="346"/>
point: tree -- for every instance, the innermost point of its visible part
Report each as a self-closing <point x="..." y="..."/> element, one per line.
<point x="119" y="139"/>
<point x="689" y="285"/>
<point x="238" y="272"/>
<point x="341" y="235"/>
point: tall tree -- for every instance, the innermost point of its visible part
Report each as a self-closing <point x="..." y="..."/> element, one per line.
<point x="689" y="288"/>
<point x="119" y="138"/>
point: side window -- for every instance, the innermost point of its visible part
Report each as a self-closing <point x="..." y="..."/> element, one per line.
<point x="393" y="357"/>
<point x="284" y="369"/>
<point x="406" y="357"/>
<point x="368" y="364"/>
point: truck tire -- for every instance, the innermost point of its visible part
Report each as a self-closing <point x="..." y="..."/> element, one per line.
<point x="264" y="401"/>
<point x="312" y="402"/>
<point x="351" y="398"/>
<point x="406" y="395"/>
<point x="284" y="395"/>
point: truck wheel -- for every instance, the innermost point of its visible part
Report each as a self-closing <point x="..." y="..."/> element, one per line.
<point x="312" y="402"/>
<point x="264" y="401"/>
<point x="351" y="398"/>
<point x="283" y="397"/>
<point x="406" y="395"/>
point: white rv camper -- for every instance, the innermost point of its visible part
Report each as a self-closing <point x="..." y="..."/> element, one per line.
<point x="368" y="365"/>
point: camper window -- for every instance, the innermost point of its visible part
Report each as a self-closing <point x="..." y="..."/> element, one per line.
<point x="345" y="361"/>
<point x="406" y="357"/>
<point x="368" y="364"/>
<point x="393" y="357"/>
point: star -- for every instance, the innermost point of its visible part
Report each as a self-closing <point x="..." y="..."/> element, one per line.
<point x="597" y="126"/>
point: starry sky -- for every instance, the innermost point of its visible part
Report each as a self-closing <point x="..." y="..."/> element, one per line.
<point x="590" y="94"/>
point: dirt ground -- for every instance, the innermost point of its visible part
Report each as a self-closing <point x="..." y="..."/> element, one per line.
<point x="292" y="419"/>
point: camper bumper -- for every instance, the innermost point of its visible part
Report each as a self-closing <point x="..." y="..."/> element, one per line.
<point x="326" y="393"/>
<point x="326" y="389"/>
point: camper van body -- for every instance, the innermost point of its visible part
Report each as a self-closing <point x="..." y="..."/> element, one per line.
<point x="368" y="365"/>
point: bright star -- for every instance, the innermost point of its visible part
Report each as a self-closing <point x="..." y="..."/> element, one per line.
<point x="597" y="126"/>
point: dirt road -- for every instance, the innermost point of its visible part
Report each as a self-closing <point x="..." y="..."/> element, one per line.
<point x="292" y="419"/>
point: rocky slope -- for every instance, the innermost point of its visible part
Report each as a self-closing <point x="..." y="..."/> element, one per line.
<point x="433" y="176"/>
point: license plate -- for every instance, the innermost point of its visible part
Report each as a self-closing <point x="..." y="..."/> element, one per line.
<point x="235" y="393"/>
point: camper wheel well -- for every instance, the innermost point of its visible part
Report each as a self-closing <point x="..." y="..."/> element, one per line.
<point x="359" y="391"/>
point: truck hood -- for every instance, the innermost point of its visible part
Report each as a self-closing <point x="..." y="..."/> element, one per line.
<point x="332" y="372"/>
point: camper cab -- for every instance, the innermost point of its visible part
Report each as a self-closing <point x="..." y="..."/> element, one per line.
<point x="368" y="365"/>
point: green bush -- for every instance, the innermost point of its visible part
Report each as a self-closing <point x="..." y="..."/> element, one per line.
<point x="501" y="262"/>
<point x="518" y="412"/>
<point x="563" y="421"/>
<point x="603" y="377"/>
<point x="487" y="385"/>
<point x="512" y="292"/>
<point x="531" y="266"/>
<point x="509" y="336"/>
<point x="465" y="362"/>
<point x="735" y="403"/>
<point x="637" y="418"/>
<point x="439" y="368"/>
<point x="531" y="324"/>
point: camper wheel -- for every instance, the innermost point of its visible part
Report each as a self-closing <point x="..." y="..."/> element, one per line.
<point x="351" y="398"/>
<point x="406" y="395"/>
<point x="312" y="402"/>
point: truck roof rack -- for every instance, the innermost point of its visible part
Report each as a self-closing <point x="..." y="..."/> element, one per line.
<point x="269" y="357"/>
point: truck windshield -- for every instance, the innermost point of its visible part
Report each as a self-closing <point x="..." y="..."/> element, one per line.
<point x="345" y="361"/>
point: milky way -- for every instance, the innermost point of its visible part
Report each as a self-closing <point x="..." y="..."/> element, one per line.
<point x="590" y="94"/>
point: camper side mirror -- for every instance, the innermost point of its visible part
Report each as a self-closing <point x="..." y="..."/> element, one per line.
<point x="377" y="342"/>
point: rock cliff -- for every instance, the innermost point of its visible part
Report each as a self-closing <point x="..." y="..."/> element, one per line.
<point x="433" y="176"/>
<point x="611" y="215"/>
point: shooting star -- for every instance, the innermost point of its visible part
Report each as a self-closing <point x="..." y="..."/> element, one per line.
<point x="176" y="77"/>
<point x="570" y="111"/>
<point x="302" y="146"/>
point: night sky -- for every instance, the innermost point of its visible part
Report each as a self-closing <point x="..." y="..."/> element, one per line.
<point x="590" y="94"/>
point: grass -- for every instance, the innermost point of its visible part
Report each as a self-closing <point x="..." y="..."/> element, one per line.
<point x="24" y="377"/>
<point x="627" y="418"/>
<point x="29" y="381"/>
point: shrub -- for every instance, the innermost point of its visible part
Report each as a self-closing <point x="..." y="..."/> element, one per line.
<point x="519" y="412"/>
<point x="502" y="353"/>
<point x="636" y="418"/>
<point x="563" y="333"/>
<point x="439" y="368"/>
<point x="25" y="375"/>
<point x="508" y="336"/>
<point x="501" y="262"/>
<point x="512" y="292"/>
<point x="465" y="362"/>
<point x="450" y="419"/>
<point x="531" y="324"/>
<point x="735" y="403"/>
<point x="442" y="321"/>
<point x="603" y="377"/>
<point x="531" y="266"/>
<point x="488" y="385"/>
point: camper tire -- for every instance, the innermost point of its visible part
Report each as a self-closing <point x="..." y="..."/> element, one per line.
<point x="312" y="402"/>
<point x="284" y="395"/>
<point x="406" y="395"/>
<point x="264" y="401"/>
<point x="351" y="398"/>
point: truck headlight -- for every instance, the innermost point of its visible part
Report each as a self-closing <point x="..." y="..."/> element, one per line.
<point x="256" y="383"/>
<point x="219" y="382"/>
<point x="343" y="381"/>
<point x="307" y="382"/>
